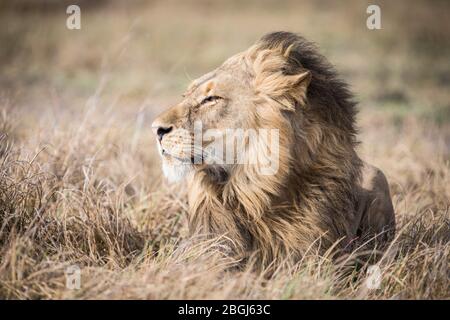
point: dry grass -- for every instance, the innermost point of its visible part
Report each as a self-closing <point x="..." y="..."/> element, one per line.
<point x="80" y="181"/>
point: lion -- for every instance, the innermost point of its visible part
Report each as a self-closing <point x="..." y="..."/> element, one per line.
<point x="321" y="195"/>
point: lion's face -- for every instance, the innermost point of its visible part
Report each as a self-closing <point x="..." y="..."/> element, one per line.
<point x="214" y="126"/>
<point x="216" y="102"/>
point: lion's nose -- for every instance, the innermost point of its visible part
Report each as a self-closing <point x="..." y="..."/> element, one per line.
<point x="160" y="131"/>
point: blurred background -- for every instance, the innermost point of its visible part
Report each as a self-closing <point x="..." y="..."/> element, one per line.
<point x="148" y="51"/>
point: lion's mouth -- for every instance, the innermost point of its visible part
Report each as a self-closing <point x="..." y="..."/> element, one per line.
<point x="168" y="155"/>
<point x="182" y="160"/>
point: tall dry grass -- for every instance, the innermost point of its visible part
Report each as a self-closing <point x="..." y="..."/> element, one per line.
<point x="89" y="197"/>
<point x="80" y="180"/>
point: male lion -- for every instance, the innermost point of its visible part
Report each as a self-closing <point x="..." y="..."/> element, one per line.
<point x="321" y="195"/>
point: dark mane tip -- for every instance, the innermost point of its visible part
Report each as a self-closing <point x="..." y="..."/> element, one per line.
<point x="325" y="87"/>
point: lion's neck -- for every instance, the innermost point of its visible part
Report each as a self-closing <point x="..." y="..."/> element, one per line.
<point x="275" y="218"/>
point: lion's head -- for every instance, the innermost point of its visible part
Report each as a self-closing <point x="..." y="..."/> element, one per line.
<point x="281" y="85"/>
<point x="256" y="89"/>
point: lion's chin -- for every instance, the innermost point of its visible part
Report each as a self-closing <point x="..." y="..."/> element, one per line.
<point x="176" y="172"/>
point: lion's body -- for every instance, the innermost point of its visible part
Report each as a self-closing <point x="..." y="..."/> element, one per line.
<point x="322" y="194"/>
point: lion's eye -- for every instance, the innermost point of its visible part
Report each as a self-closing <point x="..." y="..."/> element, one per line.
<point x="210" y="99"/>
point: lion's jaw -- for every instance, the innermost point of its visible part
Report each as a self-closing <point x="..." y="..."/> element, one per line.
<point x="174" y="172"/>
<point x="175" y="157"/>
<point x="212" y="158"/>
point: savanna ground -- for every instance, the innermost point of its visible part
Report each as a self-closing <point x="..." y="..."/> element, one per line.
<point x="80" y="178"/>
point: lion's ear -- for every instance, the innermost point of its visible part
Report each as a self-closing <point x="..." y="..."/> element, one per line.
<point x="300" y="87"/>
<point x="275" y="78"/>
<point x="290" y="90"/>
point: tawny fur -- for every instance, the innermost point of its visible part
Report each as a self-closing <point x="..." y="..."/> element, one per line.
<point x="322" y="196"/>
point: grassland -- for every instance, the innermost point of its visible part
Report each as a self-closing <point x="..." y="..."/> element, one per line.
<point x="80" y="178"/>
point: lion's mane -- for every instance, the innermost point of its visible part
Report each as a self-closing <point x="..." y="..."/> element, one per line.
<point x="309" y="205"/>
